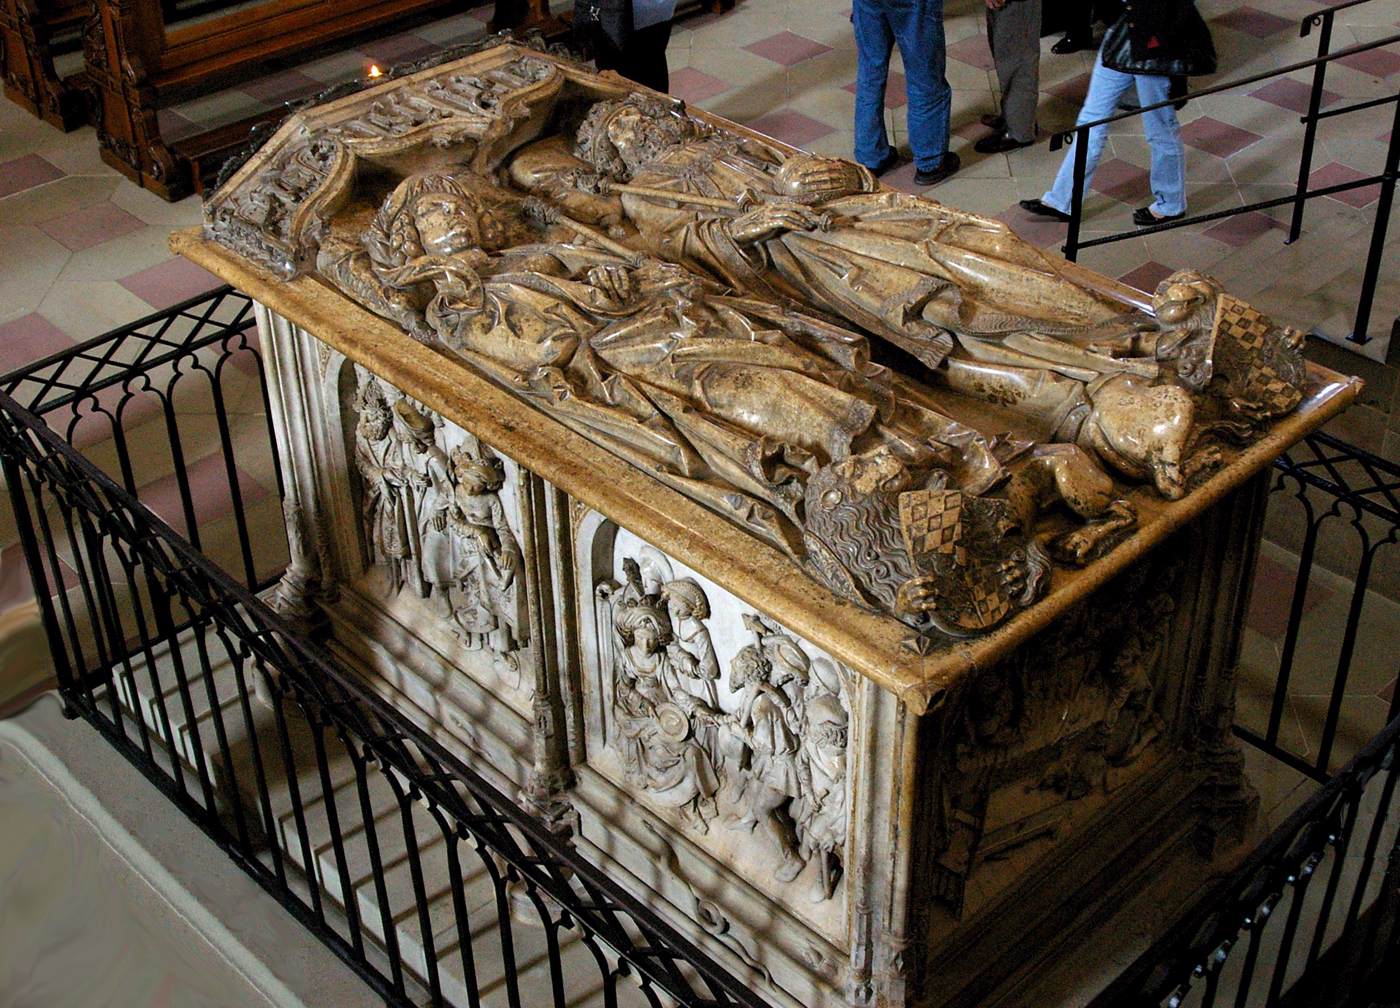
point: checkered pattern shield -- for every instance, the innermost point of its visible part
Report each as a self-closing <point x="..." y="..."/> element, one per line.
<point x="931" y="522"/>
<point x="1242" y="331"/>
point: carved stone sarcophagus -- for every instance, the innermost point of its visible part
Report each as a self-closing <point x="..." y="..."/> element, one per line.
<point x="859" y="583"/>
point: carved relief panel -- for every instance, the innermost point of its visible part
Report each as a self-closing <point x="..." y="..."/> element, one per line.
<point x="731" y="729"/>
<point x="440" y="526"/>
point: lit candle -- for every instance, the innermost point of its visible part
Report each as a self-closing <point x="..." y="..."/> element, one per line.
<point x="374" y="71"/>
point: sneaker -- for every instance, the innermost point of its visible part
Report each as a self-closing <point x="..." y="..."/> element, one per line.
<point x="893" y="160"/>
<point x="1144" y="217"/>
<point x="1034" y="206"/>
<point x="950" y="163"/>
<point x="999" y="143"/>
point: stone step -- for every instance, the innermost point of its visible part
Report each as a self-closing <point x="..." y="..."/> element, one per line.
<point x="582" y="982"/>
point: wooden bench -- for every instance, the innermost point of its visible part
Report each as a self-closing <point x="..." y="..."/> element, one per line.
<point x="27" y="32"/>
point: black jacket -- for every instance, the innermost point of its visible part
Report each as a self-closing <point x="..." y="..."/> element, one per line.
<point x="1166" y="37"/>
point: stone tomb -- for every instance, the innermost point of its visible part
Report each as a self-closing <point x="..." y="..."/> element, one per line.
<point x="858" y="584"/>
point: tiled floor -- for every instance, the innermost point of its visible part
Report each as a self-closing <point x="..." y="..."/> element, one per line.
<point x="82" y="250"/>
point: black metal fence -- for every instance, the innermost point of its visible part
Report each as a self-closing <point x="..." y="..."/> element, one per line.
<point x="429" y="882"/>
<point x="141" y="467"/>
<point x="1386" y="179"/>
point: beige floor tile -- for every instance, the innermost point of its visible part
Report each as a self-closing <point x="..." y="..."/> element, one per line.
<point x="88" y="308"/>
<point x="120" y="257"/>
<point x="56" y="198"/>
<point x="30" y="261"/>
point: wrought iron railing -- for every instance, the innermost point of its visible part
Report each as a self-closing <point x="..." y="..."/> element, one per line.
<point x="423" y="877"/>
<point x="426" y="879"/>
<point x="1386" y="179"/>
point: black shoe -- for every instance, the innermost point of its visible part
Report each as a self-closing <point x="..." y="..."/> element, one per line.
<point x="999" y="143"/>
<point x="994" y="122"/>
<point x="893" y="160"/>
<point x="950" y="163"/>
<point x="1072" y="43"/>
<point x="1034" y="206"/>
<point x="1144" y="217"/>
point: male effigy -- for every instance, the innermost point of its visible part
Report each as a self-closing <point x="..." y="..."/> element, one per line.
<point x="860" y="582"/>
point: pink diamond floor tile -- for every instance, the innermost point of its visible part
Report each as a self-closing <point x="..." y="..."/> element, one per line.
<point x="1376" y="62"/>
<point x="1216" y="137"/>
<point x="791" y="126"/>
<point x="25" y="173"/>
<point x="277" y="88"/>
<point x="399" y="49"/>
<point x="93" y="225"/>
<point x="98" y="417"/>
<point x="1336" y="173"/>
<point x="1240" y="231"/>
<point x="174" y="126"/>
<point x="209" y="492"/>
<point x="1271" y="599"/>
<point x="1252" y="21"/>
<point x="1287" y="93"/>
<point x="29" y="338"/>
<point x="895" y="96"/>
<point x="1039" y="231"/>
<point x="15" y="583"/>
<point x="1074" y="90"/>
<point x="1147" y="276"/>
<point x="169" y="282"/>
<point x="972" y="51"/>
<point x="787" y="48"/>
<point x="694" y="85"/>
<point x="1120" y="180"/>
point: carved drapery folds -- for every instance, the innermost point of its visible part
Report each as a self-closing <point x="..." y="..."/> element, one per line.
<point x="434" y="522"/>
<point x="751" y="738"/>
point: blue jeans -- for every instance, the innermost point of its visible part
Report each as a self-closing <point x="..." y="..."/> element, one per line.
<point x="1163" y="137"/>
<point x="917" y="25"/>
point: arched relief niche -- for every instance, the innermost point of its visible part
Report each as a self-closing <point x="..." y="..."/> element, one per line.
<point x="439" y="524"/>
<point x="734" y="731"/>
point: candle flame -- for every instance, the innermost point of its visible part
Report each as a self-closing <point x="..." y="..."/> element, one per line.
<point x="374" y="71"/>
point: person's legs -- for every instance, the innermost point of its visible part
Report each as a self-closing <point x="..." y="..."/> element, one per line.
<point x="1014" y="35"/>
<point x="1105" y="86"/>
<point x="874" y="41"/>
<point x="646" y="56"/>
<point x="1164" y="139"/>
<point x="918" y="28"/>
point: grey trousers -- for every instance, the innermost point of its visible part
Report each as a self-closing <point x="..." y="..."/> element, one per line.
<point x="1014" y="36"/>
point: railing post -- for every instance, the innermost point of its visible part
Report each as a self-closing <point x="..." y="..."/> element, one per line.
<point x="1076" y="199"/>
<point x="29" y="542"/>
<point x="1378" y="233"/>
<point x="1324" y="43"/>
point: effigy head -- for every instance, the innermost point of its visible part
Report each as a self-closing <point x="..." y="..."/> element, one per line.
<point x="644" y="625"/>
<point x="618" y="136"/>
<point x="430" y="214"/>
<point x="474" y="475"/>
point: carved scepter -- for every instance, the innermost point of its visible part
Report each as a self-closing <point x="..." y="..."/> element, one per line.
<point x="544" y="214"/>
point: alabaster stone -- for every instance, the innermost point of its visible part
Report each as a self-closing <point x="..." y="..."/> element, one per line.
<point x="860" y="583"/>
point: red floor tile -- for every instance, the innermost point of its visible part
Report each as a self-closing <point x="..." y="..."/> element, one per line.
<point x="27" y="339"/>
<point x="694" y="85"/>
<point x="97" y="418"/>
<point x="1240" y="231"/>
<point x="894" y="91"/>
<point x="16" y="586"/>
<point x="1376" y="62"/>
<point x="972" y="51"/>
<point x="174" y="126"/>
<point x="1039" y="231"/>
<point x="1215" y="137"/>
<point x="1147" y="276"/>
<point x="787" y="48"/>
<point x="170" y="282"/>
<point x="25" y="173"/>
<point x="791" y="126"/>
<point x="1253" y="21"/>
<point x="1287" y="93"/>
<point x="209" y="493"/>
<point x="1336" y="173"/>
<point x="1074" y="90"/>
<point x="396" y="49"/>
<point x="1120" y="180"/>
<point x="1271" y="599"/>
<point x="93" y="225"/>
<point x="1387" y="692"/>
<point x="274" y="89"/>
